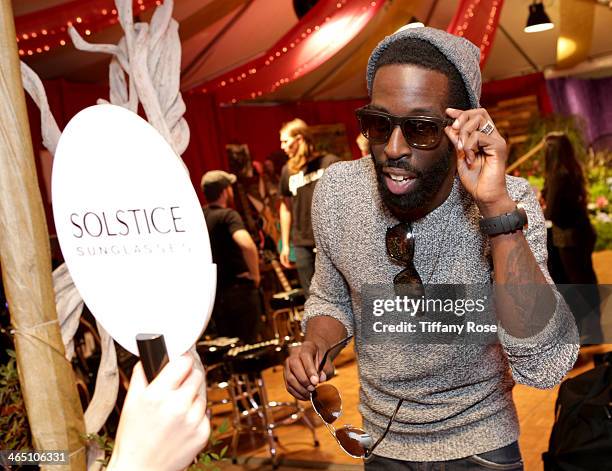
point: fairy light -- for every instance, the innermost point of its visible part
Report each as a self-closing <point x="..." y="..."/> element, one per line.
<point x="95" y="20"/>
<point x="306" y="34"/>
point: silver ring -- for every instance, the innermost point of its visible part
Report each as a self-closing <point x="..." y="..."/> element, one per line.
<point x="488" y="128"/>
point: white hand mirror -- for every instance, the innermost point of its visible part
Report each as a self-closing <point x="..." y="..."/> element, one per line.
<point x="131" y="229"/>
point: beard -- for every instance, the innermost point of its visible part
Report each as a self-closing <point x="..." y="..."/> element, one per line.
<point x="426" y="187"/>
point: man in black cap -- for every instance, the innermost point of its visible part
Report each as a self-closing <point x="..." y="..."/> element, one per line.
<point x="238" y="308"/>
<point x="431" y="205"/>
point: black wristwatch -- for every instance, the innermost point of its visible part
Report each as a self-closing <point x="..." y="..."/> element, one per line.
<point x="505" y="223"/>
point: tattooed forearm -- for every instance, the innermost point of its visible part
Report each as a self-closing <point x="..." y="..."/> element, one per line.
<point x="524" y="300"/>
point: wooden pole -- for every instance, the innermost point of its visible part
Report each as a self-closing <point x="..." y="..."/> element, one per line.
<point x="46" y="377"/>
<point x="521" y="160"/>
<point x="533" y="151"/>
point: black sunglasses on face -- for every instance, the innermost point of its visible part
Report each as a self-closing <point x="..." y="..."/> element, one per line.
<point x="327" y="403"/>
<point x="420" y="132"/>
<point x="400" y="248"/>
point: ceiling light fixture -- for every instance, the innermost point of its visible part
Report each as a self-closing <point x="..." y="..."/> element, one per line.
<point x="538" y="20"/>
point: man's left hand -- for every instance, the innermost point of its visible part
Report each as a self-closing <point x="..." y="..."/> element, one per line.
<point x="481" y="160"/>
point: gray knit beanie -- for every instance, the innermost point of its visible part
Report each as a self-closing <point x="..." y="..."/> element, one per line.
<point x="460" y="52"/>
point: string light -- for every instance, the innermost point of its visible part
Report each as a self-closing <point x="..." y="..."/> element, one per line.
<point x="357" y="12"/>
<point x="36" y="40"/>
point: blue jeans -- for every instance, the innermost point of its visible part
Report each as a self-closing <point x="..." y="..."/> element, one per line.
<point x="507" y="458"/>
<point x="305" y="264"/>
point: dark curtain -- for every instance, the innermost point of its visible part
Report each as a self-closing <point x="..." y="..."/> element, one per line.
<point x="589" y="99"/>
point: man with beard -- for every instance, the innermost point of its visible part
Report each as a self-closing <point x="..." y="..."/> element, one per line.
<point x="431" y="205"/>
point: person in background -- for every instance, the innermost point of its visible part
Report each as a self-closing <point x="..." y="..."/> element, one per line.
<point x="238" y="309"/>
<point x="572" y="236"/>
<point x="163" y="425"/>
<point x="298" y="179"/>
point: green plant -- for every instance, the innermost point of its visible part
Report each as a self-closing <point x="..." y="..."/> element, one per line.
<point x="598" y="178"/>
<point x="604" y="235"/>
<point x="536" y="181"/>
<point x="573" y="126"/>
<point x="205" y="461"/>
<point x="105" y="443"/>
<point x="14" y="427"/>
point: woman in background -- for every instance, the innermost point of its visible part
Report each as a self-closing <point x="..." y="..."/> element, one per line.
<point x="572" y="235"/>
<point x="298" y="179"/>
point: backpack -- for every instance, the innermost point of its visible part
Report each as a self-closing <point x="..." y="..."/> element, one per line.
<point x="581" y="437"/>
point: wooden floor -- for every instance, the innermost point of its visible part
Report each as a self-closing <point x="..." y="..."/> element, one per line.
<point x="295" y="445"/>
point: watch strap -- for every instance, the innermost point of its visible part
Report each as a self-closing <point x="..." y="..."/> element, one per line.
<point x="504" y="223"/>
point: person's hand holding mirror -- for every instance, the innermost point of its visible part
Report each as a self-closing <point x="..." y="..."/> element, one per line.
<point x="163" y="425"/>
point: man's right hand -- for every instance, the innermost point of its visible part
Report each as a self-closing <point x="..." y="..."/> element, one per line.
<point x="284" y="257"/>
<point x="301" y="376"/>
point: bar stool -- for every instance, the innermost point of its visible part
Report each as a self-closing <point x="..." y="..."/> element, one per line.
<point x="248" y="391"/>
<point x="288" y="304"/>
<point x="212" y="352"/>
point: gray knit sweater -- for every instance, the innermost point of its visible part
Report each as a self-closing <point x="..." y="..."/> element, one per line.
<point x="457" y="398"/>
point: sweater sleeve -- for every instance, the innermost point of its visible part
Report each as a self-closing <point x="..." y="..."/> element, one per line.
<point x="329" y="293"/>
<point x="542" y="360"/>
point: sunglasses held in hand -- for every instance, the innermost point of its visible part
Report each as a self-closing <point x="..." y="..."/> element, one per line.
<point x="420" y="132"/>
<point x="327" y="403"/>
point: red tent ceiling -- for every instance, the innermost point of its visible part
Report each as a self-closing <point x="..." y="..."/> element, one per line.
<point x="219" y="36"/>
